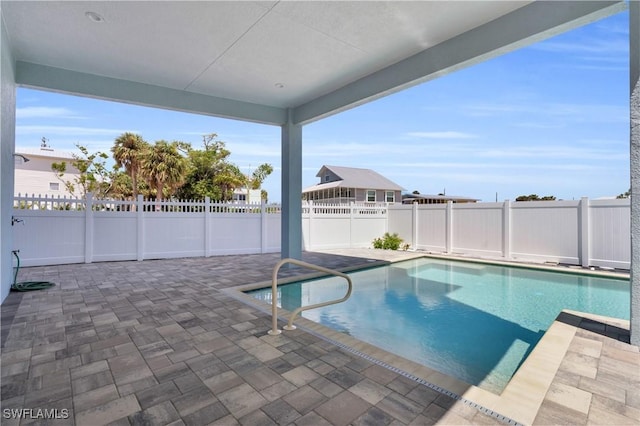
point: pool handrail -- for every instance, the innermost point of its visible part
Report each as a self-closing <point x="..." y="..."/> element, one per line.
<point x="274" y="293"/>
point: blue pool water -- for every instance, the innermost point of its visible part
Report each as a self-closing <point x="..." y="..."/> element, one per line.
<point x="472" y="321"/>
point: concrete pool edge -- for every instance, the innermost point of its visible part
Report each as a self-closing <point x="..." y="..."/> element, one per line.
<point x="522" y="397"/>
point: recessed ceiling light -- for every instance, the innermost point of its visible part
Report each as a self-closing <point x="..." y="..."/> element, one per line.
<point x="279" y="85"/>
<point x="94" y="16"/>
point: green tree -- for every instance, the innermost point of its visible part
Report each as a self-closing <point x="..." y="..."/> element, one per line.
<point x="626" y="194"/>
<point x="257" y="178"/>
<point x="228" y="179"/>
<point x="535" y="197"/>
<point x="127" y="150"/>
<point x="204" y="165"/>
<point x="93" y="175"/>
<point x="163" y="167"/>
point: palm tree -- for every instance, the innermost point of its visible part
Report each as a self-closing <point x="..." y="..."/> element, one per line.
<point x="127" y="152"/>
<point x="163" y="167"/>
<point x="228" y="178"/>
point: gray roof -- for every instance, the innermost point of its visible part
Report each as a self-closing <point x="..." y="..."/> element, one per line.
<point x="437" y="197"/>
<point x="44" y="152"/>
<point x="352" y="177"/>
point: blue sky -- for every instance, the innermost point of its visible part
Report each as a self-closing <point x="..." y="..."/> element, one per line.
<point x="549" y="119"/>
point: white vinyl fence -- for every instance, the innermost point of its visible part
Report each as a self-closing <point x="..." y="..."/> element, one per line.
<point x="56" y="231"/>
<point x="585" y="232"/>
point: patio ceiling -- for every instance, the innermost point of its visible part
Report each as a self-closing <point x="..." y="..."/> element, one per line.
<point x="267" y="61"/>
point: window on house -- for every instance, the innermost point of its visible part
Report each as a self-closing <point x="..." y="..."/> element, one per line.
<point x="390" y="197"/>
<point x="371" y="195"/>
<point x="326" y="178"/>
<point x="54" y="186"/>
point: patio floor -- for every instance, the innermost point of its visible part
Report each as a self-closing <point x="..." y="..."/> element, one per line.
<point x="163" y="342"/>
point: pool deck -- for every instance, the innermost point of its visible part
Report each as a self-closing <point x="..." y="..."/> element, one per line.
<point x="173" y="342"/>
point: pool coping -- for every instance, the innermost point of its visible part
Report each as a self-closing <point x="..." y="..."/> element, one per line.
<point x="520" y="400"/>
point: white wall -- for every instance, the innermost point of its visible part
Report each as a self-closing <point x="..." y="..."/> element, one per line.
<point x="7" y="143"/>
<point x="35" y="176"/>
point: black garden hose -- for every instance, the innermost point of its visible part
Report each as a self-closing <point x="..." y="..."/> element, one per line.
<point x="27" y="285"/>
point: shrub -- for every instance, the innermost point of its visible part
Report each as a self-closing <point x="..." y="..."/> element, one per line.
<point x="387" y="242"/>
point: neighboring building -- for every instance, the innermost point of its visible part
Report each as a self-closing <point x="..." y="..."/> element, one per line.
<point x="35" y="176"/>
<point x="252" y="196"/>
<point x="346" y="184"/>
<point x="435" y="199"/>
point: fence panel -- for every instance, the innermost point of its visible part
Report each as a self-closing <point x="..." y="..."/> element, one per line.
<point x="609" y="231"/>
<point x="401" y="222"/>
<point x="477" y="229"/>
<point x="432" y="228"/>
<point x="114" y="236"/>
<point x="173" y="234"/>
<point x="545" y="231"/>
<point x="49" y="237"/>
<point x="235" y="233"/>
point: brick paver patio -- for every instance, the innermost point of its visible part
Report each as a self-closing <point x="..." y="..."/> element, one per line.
<point x="158" y="342"/>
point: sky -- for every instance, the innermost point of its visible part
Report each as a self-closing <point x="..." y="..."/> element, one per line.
<point x="548" y="119"/>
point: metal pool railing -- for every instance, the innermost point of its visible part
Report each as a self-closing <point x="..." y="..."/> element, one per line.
<point x="274" y="293"/>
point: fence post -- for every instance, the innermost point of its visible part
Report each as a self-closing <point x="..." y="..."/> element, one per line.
<point x="263" y="226"/>
<point x="449" y="227"/>
<point x="88" y="229"/>
<point x="309" y="241"/>
<point x="207" y="226"/>
<point x="506" y="229"/>
<point x="140" y="228"/>
<point x="414" y="217"/>
<point x="351" y="220"/>
<point x="583" y="232"/>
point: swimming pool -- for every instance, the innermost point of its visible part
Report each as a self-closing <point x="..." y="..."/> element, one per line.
<point x="473" y="321"/>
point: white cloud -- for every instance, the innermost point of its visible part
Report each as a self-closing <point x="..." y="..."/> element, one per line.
<point x="442" y="135"/>
<point x="607" y="47"/>
<point x="69" y="130"/>
<point x="45" y="112"/>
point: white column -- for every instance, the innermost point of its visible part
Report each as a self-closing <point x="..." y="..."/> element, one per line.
<point x="263" y="226"/>
<point x="506" y="229"/>
<point x="583" y="236"/>
<point x="88" y="229"/>
<point x="207" y="226"/>
<point x="140" y="228"/>
<point x="291" y="232"/>
<point x="7" y="146"/>
<point x="414" y="225"/>
<point x="634" y="71"/>
<point x="449" y="227"/>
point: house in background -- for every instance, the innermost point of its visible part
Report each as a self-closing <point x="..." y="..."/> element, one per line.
<point x="435" y="199"/>
<point x="35" y="176"/>
<point x="244" y="195"/>
<point x="346" y="184"/>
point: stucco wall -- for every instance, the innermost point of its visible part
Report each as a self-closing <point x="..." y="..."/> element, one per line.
<point x="7" y="142"/>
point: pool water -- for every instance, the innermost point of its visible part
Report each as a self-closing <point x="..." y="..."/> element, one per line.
<point x="475" y="322"/>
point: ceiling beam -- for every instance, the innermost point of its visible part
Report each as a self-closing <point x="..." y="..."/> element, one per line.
<point x="527" y="25"/>
<point x="71" y="82"/>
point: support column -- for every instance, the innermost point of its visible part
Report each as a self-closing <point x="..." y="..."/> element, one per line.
<point x="634" y="71"/>
<point x="291" y="229"/>
<point x="7" y="144"/>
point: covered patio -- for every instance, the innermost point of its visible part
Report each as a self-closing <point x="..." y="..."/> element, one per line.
<point x="281" y="63"/>
<point x="161" y="342"/>
<point x="166" y="342"/>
